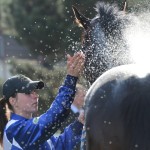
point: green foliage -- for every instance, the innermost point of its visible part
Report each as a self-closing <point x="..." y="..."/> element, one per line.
<point x="40" y="25"/>
<point x="139" y="6"/>
<point x="1" y="83"/>
<point x="52" y="78"/>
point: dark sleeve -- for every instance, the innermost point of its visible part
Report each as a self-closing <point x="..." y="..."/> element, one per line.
<point x="70" y="138"/>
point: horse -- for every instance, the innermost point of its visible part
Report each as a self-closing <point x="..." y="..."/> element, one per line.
<point x="103" y="40"/>
<point x="117" y="103"/>
<point x="117" y="110"/>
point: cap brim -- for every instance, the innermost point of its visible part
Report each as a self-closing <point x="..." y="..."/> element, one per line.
<point x="33" y="86"/>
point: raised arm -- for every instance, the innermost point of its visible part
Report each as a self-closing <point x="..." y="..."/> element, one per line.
<point x="46" y="125"/>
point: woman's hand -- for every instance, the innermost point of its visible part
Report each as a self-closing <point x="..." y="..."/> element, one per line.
<point x="75" y="64"/>
<point x="81" y="117"/>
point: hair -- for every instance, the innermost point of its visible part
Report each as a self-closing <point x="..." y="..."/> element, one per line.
<point x="5" y="109"/>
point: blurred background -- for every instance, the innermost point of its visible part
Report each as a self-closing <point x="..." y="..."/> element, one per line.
<point x="36" y="35"/>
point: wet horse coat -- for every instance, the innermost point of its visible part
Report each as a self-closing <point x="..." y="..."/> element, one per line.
<point x="117" y="110"/>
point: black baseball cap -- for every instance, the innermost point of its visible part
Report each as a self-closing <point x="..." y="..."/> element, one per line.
<point x="20" y="84"/>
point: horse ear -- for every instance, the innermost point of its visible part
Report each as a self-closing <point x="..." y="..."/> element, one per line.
<point x="125" y="6"/>
<point x="80" y="19"/>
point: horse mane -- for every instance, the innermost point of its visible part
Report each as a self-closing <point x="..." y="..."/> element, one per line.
<point x="110" y="17"/>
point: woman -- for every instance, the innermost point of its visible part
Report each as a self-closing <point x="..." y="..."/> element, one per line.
<point x="24" y="132"/>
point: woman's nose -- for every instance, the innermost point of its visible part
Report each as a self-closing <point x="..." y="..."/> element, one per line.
<point x="35" y="94"/>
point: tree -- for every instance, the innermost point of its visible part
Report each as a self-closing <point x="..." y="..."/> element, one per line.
<point x="40" y="25"/>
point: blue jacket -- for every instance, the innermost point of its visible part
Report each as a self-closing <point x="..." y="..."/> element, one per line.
<point x="37" y="133"/>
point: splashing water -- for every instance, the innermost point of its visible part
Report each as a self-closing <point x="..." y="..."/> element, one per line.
<point x="112" y="39"/>
<point x="138" y="37"/>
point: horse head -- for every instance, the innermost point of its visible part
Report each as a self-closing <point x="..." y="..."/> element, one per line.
<point x="103" y="40"/>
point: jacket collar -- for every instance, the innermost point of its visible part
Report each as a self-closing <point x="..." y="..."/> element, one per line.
<point x="17" y="117"/>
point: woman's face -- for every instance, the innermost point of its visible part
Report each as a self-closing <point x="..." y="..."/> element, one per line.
<point x="26" y="104"/>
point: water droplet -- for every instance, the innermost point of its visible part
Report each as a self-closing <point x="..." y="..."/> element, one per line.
<point x="136" y="146"/>
<point x="109" y="122"/>
<point x="110" y="142"/>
